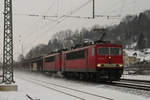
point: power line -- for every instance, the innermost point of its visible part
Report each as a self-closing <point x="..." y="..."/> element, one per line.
<point x="60" y="20"/>
<point x="67" y="16"/>
<point x="52" y="4"/>
<point x="35" y="15"/>
<point x="81" y="6"/>
<point x="63" y="16"/>
<point x="80" y="17"/>
<point x="35" y="23"/>
<point x="56" y="16"/>
<point x="109" y="16"/>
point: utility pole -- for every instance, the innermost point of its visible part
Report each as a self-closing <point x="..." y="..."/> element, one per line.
<point x="8" y="44"/>
<point x="21" y="41"/>
<point x="93" y="9"/>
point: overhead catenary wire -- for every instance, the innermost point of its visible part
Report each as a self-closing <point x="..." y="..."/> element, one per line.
<point x="38" y="20"/>
<point x="60" y="19"/>
<point x="63" y="16"/>
<point x="69" y="15"/>
<point x="74" y="11"/>
<point x="56" y="16"/>
<point x="40" y="16"/>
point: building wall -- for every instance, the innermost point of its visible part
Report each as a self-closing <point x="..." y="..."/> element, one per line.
<point x="126" y="59"/>
<point x="129" y="60"/>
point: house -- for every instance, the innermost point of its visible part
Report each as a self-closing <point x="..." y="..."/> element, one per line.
<point x="129" y="60"/>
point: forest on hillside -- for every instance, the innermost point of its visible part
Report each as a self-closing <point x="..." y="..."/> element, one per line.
<point x="133" y="29"/>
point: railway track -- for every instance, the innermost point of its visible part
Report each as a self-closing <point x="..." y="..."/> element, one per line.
<point x="134" y="84"/>
<point x="126" y="83"/>
<point x="135" y="80"/>
<point x="60" y="89"/>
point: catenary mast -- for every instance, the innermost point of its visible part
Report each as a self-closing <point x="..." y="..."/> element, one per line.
<point x="8" y="44"/>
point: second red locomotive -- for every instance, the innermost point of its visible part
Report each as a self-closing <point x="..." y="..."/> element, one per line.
<point x="96" y="61"/>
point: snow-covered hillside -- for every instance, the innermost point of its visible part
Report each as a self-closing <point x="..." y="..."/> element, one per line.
<point x="143" y="55"/>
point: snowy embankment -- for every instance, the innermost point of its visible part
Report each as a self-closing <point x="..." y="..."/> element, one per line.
<point x="142" y="55"/>
<point x="42" y="93"/>
<point x="137" y="77"/>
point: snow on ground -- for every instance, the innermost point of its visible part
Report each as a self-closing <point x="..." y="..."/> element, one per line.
<point x="138" y="77"/>
<point x="142" y="55"/>
<point x="34" y="91"/>
<point x="42" y="93"/>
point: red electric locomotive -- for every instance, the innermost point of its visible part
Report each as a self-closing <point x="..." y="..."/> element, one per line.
<point x="109" y="61"/>
<point x="98" y="61"/>
<point x="52" y="62"/>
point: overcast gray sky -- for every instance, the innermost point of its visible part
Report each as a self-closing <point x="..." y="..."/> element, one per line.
<point x="36" y="30"/>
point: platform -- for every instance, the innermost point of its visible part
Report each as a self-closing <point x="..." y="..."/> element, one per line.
<point x="5" y="87"/>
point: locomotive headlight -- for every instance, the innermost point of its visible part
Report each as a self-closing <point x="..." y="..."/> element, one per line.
<point x="98" y="65"/>
<point x="120" y="65"/>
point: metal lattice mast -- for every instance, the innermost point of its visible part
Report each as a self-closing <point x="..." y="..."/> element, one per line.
<point x="8" y="43"/>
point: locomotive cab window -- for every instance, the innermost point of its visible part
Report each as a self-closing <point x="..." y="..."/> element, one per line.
<point x="109" y="51"/>
<point x="115" y="51"/>
<point x="50" y="59"/>
<point x="75" y="55"/>
<point x="103" y="51"/>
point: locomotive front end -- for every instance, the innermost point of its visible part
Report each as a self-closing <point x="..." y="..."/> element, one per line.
<point x="109" y="61"/>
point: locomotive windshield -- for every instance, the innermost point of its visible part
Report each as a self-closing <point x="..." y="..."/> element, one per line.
<point x="103" y="51"/>
<point x="115" y="51"/>
<point x="109" y="51"/>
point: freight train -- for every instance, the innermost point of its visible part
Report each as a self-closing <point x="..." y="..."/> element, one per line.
<point x="98" y="61"/>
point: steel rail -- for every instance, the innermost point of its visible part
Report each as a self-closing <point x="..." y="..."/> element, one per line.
<point x="73" y="89"/>
<point x="131" y="85"/>
<point x="136" y="80"/>
<point x="37" y="83"/>
<point x="126" y="84"/>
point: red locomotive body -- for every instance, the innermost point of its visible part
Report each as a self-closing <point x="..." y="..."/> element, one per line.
<point x="109" y="54"/>
<point x="52" y="62"/>
<point x="98" y="60"/>
<point x="109" y="61"/>
<point x="79" y="60"/>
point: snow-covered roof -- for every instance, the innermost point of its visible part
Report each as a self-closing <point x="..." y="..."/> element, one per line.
<point x="141" y="55"/>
